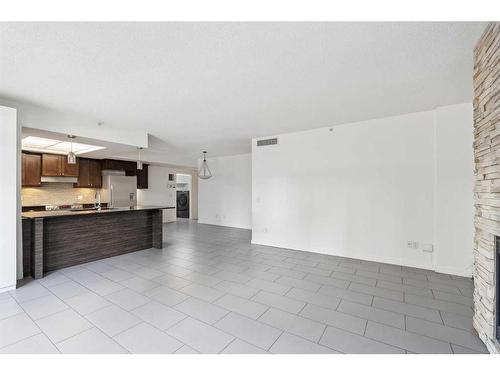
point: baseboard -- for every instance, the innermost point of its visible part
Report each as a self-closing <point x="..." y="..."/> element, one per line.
<point x="7" y="288"/>
<point x="224" y="225"/>
<point x="388" y="260"/>
<point x="467" y="272"/>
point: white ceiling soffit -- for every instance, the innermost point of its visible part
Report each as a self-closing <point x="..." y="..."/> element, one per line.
<point x="214" y="86"/>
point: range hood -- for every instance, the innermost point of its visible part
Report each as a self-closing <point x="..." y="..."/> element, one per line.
<point x="60" y="179"/>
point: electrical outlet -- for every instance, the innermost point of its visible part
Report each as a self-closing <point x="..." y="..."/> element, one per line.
<point x="412" y="245"/>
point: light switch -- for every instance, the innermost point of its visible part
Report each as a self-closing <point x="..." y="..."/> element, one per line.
<point x="428" y="247"/>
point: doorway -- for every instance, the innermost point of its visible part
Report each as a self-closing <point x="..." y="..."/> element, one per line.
<point x="183" y="183"/>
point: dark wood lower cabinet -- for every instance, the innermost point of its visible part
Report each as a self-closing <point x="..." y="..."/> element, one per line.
<point x="64" y="241"/>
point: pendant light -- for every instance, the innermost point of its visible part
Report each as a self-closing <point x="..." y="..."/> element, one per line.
<point x="204" y="172"/>
<point x="139" y="161"/>
<point x="71" y="155"/>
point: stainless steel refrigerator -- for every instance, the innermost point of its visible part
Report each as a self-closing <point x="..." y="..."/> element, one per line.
<point x="119" y="190"/>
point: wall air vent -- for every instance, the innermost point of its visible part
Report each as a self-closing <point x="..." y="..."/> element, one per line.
<point x="267" y="142"/>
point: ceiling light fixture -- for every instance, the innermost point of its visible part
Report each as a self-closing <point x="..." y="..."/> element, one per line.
<point x="139" y="161"/>
<point x="204" y="172"/>
<point x="71" y="154"/>
<point x="56" y="146"/>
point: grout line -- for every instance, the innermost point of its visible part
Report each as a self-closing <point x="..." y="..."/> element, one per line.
<point x="233" y="242"/>
<point x="26" y="338"/>
<point x="451" y="347"/>
<point x="338" y="304"/>
<point x="303" y="307"/>
<point x="257" y="319"/>
<point x="229" y="343"/>
<point x="441" y="316"/>
<point x="222" y="317"/>
<point x="33" y="320"/>
<point x="322" y="334"/>
<point x="274" y="342"/>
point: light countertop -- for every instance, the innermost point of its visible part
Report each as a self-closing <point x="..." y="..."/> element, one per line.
<point x="58" y="213"/>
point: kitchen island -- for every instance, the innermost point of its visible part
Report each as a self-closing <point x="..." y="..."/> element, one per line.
<point x="59" y="239"/>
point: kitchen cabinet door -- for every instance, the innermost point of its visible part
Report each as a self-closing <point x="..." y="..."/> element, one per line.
<point x="31" y="167"/>
<point x="129" y="167"/>
<point x="68" y="170"/>
<point x="89" y="175"/>
<point x="95" y="177"/>
<point x="51" y="165"/>
<point x="84" y="173"/>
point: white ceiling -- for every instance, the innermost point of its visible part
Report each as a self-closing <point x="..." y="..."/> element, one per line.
<point x="214" y="86"/>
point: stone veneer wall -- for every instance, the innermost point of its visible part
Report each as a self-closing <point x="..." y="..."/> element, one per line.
<point x="56" y="194"/>
<point x="487" y="180"/>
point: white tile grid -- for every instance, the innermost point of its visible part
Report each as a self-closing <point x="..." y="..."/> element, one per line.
<point x="380" y="295"/>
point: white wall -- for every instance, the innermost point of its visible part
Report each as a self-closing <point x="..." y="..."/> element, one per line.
<point x="454" y="185"/>
<point x="9" y="198"/>
<point x="163" y="192"/>
<point x="226" y="198"/>
<point x="364" y="189"/>
<point x="160" y="192"/>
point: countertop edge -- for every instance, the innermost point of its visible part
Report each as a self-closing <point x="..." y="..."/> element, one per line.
<point x="62" y="213"/>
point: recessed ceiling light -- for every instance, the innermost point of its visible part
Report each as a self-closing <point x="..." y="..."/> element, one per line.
<point x="55" y="146"/>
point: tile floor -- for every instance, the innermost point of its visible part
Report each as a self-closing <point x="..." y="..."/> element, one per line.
<point x="210" y="291"/>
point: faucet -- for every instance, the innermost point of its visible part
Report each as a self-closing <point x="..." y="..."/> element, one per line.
<point x="97" y="200"/>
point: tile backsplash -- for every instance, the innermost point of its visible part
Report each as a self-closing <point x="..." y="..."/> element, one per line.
<point x="56" y="194"/>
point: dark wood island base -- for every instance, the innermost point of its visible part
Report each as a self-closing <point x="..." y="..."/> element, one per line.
<point x="61" y="240"/>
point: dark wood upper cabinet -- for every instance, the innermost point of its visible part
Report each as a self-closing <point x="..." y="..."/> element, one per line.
<point x="142" y="177"/>
<point x="89" y="174"/>
<point x="69" y="170"/>
<point x="57" y="166"/>
<point x="31" y="167"/>
<point x="84" y="173"/>
<point x="129" y="167"/>
<point x="51" y="165"/>
<point x="95" y="173"/>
